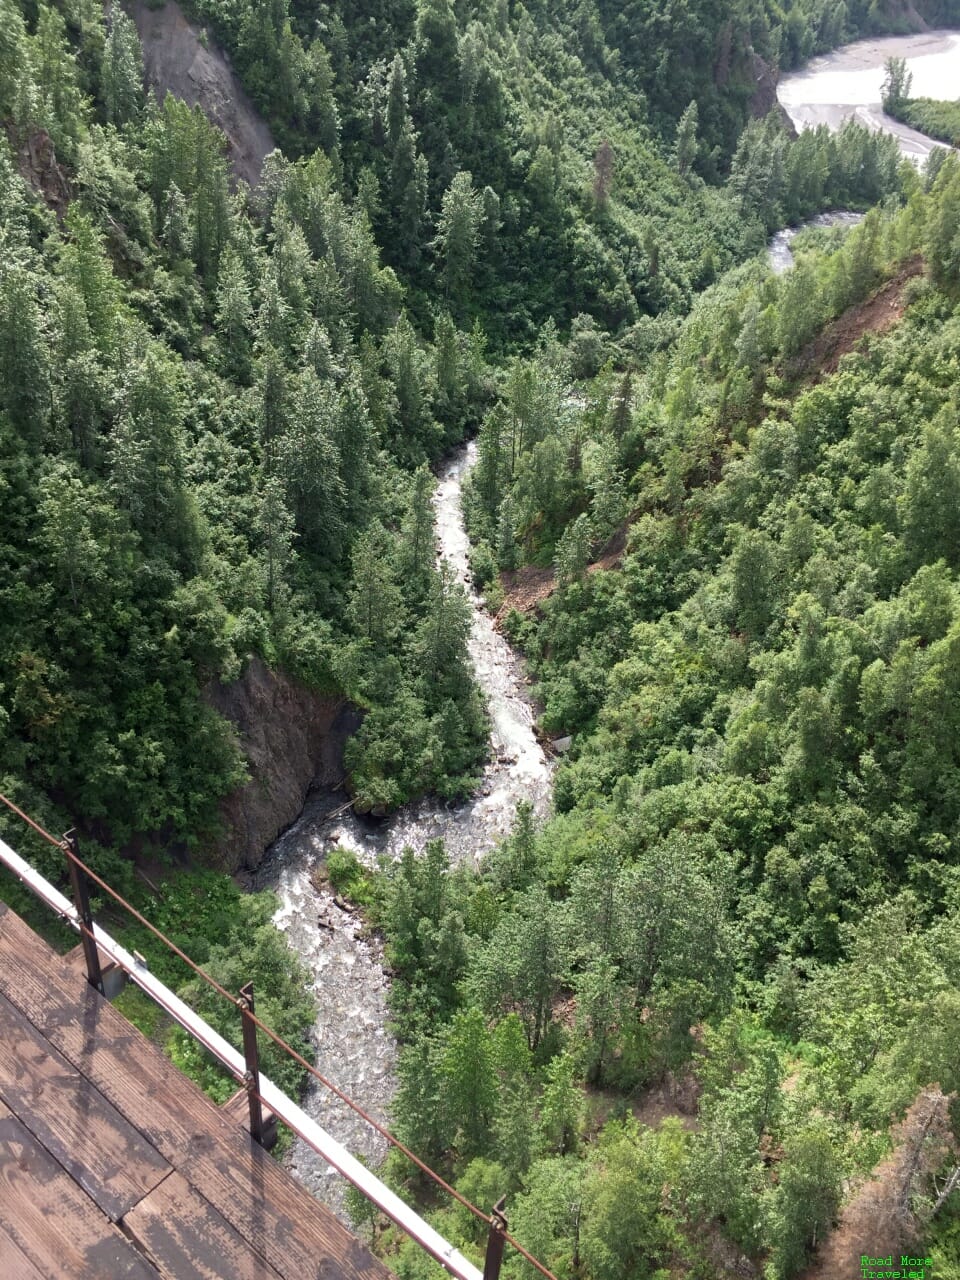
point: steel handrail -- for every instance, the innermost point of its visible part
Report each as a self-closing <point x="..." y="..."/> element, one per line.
<point x="282" y="1106"/>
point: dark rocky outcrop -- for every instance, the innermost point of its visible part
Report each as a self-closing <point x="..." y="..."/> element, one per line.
<point x="37" y="163"/>
<point x="177" y="61"/>
<point x="764" y="98"/>
<point x="292" y="739"/>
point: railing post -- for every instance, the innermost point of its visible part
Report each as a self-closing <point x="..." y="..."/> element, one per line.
<point x="495" y="1241"/>
<point x="251" y="1054"/>
<point x="81" y="900"/>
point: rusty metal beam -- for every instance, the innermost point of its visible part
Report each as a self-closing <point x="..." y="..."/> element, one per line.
<point x="495" y="1241"/>
<point x="81" y="902"/>
<point x="251" y="1056"/>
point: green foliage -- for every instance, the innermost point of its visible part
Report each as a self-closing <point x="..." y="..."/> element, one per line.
<point x="561" y="1106"/>
<point x="942" y="246"/>
<point x="519" y="966"/>
<point x="940" y="120"/>
<point x="546" y="1215"/>
<point x="472" y="134"/>
<point x="138" y="1008"/>
<point x="879" y="1038"/>
<point x="469" y="1082"/>
<point x="423" y="915"/>
<point x="944" y="1234"/>
<point x="748" y="694"/>
<point x="344" y="869"/>
<point x="624" y="1229"/>
<point x="806" y="1199"/>
<point x="421" y="1117"/>
<point x="217" y="415"/>
<point x="122" y="70"/>
<point x="459" y="232"/>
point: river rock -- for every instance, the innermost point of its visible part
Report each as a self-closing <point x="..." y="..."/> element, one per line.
<point x="350" y="978"/>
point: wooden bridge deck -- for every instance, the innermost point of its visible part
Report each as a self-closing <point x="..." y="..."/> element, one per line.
<point x="112" y="1163"/>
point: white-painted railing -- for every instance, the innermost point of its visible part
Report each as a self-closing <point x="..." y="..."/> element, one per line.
<point x="283" y="1107"/>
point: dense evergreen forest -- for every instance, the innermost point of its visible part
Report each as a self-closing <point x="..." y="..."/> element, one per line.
<point x="542" y="224"/>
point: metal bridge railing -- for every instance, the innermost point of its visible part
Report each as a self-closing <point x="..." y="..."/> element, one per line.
<point x="245" y="1067"/>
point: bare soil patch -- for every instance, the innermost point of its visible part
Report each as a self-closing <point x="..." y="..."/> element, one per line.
<point x="526" y="589"/>
<point x="37" y="163"/>
<point x="677" y="1097"/>
<point x="177" y="61"/>
<point x="876" y="315"/>
<point x="879" y="1217"/>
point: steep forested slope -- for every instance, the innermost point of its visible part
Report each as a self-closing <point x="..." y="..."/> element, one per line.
<point x="750" y="890"/>
<point x="217" y="411"/>
<point x="223" y="396"/>
<point x="561" y="144"/>
<point x="215" y="419"/>
<point x="207" y="404"/>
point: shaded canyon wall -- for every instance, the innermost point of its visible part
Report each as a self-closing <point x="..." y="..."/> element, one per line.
<point x="292" y="739"/>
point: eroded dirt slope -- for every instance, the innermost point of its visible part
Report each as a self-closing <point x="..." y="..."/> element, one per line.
<point x="875" y="315"/>
<point x="527" y="588"/>
<point x="177" y="62"/>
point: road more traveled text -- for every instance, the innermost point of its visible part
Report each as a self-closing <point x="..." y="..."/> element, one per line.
<point x="886" y="1269"/>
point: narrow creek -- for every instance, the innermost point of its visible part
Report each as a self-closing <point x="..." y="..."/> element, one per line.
<point x="354" y="1050"/>
<point x="779" y="253"/>
<point x="353" y="1046"/>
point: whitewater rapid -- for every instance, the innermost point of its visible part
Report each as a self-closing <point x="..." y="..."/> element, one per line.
<point x="353" y="1047"/>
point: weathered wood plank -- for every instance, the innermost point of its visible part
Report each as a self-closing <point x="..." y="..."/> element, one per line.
<point x="282" y="1221"/>
<point x="103" y="1152"/>
<point x="51" y="1222"/>
<point x="236" y="1109"/>
<point x="13" y="1264"/>
<point x="183" y="1235"/>
<point x="112" y="976"/>
<point x="292" y="1230"/>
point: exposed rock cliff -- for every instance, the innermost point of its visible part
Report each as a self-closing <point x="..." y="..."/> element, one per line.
<point x="176" y="61"/>
<point x="37" y="162"/>
<point x="764" y="97"/>
<point x="292" y="738"/>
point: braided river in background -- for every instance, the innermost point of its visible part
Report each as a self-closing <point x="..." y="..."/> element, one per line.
<point x="848" y="85"/>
